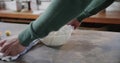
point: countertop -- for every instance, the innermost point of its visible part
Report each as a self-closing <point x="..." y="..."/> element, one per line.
<point x="84" y="46"/>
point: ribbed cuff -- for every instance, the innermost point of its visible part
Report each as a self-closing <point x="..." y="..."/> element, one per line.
<point x="27" y="36"/>
<point x="83" y="15"/>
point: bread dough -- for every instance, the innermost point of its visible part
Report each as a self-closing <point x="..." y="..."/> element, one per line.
<point x="60" y="37"/>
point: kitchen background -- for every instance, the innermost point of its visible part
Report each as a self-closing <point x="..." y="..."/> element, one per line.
<point x="38" y="7"/>
<point x="24" y="5"/>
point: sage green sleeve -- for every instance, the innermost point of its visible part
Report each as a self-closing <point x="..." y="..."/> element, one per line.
<point x="56" y="15"/>
<point x="94" y="7"/>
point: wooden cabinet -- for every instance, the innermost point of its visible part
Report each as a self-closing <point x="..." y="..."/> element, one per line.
<point x="19" y="17"/>
<point x="108" y="17"/>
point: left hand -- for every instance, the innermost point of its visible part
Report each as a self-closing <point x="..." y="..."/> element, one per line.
<point x="11" y="46"/>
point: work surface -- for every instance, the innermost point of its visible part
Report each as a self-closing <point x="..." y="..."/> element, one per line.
<point x="84" y="46"/>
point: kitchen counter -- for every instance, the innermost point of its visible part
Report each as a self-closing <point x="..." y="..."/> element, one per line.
<point x="84" y="46"/>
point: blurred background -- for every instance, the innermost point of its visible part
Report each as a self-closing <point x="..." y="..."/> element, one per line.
<point x="25" y="11"/>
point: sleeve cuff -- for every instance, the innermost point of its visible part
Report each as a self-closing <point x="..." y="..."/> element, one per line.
<point x="27" y="36"/>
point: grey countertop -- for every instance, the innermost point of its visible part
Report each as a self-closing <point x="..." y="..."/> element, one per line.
<point x="84" y="46"/>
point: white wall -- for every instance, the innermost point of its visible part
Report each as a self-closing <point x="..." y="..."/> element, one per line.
<point x="114" y="7"/>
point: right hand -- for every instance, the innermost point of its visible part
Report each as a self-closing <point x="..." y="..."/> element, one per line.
<point x="75" y="23"/>
<point x="11" y="46"/>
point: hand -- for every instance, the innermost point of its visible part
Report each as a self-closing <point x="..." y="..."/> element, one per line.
<point x="75" y="23"/>
<point x="11" y="46"/>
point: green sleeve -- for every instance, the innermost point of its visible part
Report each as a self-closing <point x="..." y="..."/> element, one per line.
<point x="94" y="7"/>
<point x="56" y="15"/>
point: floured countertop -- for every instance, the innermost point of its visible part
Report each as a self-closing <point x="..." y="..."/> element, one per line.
<point x="84" y="46"/>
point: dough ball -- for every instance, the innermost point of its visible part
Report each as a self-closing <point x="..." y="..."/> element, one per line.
<point x="59" y="37"/>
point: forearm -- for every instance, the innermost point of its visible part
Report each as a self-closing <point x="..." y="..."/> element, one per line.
<point x="57" y="15"/>
<point x="94" y="7"/>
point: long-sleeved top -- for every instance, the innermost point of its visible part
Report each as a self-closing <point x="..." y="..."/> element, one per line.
<point x="58" y="13"/>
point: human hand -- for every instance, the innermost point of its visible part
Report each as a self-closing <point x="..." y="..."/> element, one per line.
<point x="75" y="23"/>
<point x="11" y="46"/>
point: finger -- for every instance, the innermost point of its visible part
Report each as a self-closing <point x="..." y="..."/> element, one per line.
<point x="5" y="47"/>
<point x="7" y="52"/>
<point x="2" y="42"/>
